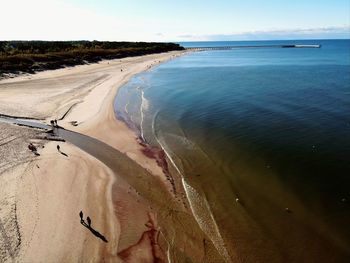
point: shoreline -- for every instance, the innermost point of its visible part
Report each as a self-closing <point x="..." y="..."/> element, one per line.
<point x="135" y="195"/>
<point x="92" y="109"/>
<point x="105" y="119"/>
<point x="156" y="161"/>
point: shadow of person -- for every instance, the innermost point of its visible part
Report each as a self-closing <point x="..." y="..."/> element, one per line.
<point x="93" y="231"/>
<point x="97" y="234"/>
<point x="64" y="154"/>
<point x="83" y="223"/>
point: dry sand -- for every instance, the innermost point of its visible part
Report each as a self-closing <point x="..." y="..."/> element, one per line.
<point x="42" y="195"/>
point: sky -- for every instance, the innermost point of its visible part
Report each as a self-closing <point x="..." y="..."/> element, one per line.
<point x="173" y="20"/>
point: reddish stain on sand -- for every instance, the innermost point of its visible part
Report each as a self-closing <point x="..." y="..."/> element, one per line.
<point x="159" y="155"/>
<point x="147" y="248"/>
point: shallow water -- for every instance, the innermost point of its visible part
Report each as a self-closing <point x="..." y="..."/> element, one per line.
<point x="268" y="126"/>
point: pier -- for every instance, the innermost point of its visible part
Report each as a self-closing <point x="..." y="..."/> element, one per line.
<point x="253" y="46"/>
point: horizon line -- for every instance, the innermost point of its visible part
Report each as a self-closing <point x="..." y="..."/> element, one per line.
<point x="246" y="40"/>
<point x="177" y="41"/>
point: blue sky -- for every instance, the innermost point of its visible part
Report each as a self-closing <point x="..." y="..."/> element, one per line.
<point x="180" y="20"/>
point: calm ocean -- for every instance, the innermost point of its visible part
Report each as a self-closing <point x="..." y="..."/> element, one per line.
<point x="269" y="126"/>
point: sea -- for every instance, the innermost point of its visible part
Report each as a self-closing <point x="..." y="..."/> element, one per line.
<point x="262" y="135"/>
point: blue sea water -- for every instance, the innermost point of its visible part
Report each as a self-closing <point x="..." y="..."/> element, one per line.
<point x="270" y="126"/>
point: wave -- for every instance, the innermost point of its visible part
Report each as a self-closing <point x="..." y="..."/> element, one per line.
<point x="201" y="211"/>
<point x="199" y="205"/>
<point x="144" y="106"/>
<point x="162" y="146"/>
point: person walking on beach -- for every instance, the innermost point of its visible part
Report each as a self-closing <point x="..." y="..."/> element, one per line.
<point x="88" y="221"/>
<point x="81" y="217"/>
<point x="58" y="147"/>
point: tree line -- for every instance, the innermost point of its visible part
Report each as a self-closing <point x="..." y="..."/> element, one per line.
<point x="32" y="56"/>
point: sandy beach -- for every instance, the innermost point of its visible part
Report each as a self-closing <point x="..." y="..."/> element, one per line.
<point x="42" y="195"/>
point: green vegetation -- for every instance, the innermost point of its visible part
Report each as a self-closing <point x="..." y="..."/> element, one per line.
<point x="32" y="56"/>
